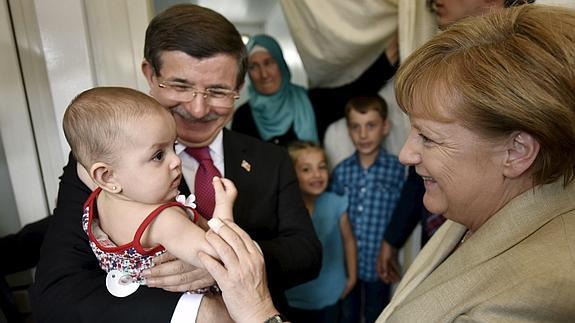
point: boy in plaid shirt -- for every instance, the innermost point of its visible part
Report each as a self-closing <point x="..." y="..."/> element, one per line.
<point x="372" y="180"/>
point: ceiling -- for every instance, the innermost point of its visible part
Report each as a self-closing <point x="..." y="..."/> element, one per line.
<point x="237" y="11"/>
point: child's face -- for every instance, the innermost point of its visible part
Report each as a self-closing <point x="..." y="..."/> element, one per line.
<point x="148" y="169"/>
<point x="311" y="171"/>
<point x="367" y="131"/>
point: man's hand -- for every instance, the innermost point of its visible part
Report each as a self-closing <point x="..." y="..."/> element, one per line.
<point x="174" y="275"/>
<point x="387" y="264"/>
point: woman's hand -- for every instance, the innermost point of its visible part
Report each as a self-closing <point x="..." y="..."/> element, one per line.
<point x="174" y="275"/>
<point x="241" y="274"/>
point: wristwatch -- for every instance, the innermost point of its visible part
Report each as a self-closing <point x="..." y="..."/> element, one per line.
<point x="278" y="318"/>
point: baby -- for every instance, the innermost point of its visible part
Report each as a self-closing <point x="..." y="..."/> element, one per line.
<point x="124" y="139"/>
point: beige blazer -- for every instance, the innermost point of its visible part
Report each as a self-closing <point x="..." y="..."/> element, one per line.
<point x="518" y="267"/>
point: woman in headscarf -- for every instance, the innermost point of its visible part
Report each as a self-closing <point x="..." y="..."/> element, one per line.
<point x="277" y="111"/>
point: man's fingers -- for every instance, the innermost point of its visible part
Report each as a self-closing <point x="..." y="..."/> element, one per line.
<point x="164" y="257"/>
<point x="177" y="275"/>
<point x="167" y="268"/>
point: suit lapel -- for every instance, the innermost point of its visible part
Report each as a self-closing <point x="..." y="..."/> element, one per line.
<point x="432" y="255"/>
<point x="235" y="151"/>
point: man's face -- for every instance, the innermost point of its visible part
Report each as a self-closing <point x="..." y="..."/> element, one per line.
<point x="197" y="121"/>
<point x="450" y="11"/>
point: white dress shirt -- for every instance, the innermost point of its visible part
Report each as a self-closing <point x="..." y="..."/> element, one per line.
<point x="189" y="304"/>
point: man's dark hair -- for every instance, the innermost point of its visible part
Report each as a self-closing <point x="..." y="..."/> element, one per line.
<point x="197" y="31"/>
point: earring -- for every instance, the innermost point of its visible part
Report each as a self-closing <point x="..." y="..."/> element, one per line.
<point x="114" y="188"/>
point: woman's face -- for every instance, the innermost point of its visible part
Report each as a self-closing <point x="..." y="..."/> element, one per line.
<point x="264" y="73"/>
<point x="450" y="11"/>
<point x="462" y="171"/>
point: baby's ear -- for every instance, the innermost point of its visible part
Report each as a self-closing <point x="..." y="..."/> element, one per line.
<point x="85" y="177"/>
<point x="103" y="175"/>
<point x="522" y="150"/>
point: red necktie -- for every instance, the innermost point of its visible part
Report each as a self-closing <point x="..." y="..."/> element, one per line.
<point x="204" y="189"/>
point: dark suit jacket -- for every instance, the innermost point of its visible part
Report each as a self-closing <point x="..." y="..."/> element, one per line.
<point x="329" y="103"/>
<point x="244" y="123"/>
<point x="408" y="212"/>
<point x="70" y="286"/>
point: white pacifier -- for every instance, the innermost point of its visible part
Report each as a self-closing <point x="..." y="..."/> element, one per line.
<point x="120" y="284"/>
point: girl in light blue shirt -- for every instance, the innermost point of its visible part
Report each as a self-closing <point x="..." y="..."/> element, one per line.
<point x="317" y="300"/>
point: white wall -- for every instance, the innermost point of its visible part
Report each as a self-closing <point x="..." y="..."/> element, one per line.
<point x="564" y="3"/>
<point x="62" y="47"/>
<point x="24" y="199"/>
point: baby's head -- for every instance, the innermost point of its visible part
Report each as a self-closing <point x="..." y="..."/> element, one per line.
<point x="310" y="165"/>
<point x="100" y="121"/>
<point x="125" y="140"/>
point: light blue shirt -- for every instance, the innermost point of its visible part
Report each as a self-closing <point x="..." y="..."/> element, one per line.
<point x="326" y="289"/>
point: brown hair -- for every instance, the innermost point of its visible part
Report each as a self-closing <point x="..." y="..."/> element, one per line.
<point x="365" y="103"/>
<point x="95" y="119"/>
<point x="197" y="31"/>
<point x="510" y="70"/>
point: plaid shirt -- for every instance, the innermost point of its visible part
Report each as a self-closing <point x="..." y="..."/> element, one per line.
<point x="373" y="194"/>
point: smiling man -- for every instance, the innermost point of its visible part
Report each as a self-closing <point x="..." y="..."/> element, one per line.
<point x="195" y="63"/>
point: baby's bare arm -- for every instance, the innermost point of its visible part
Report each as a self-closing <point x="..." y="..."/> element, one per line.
<point x="183" y="238"/>
<point x="179" y="235"/>
<point x="226" y="193"/>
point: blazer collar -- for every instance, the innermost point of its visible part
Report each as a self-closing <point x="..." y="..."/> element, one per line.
<point x="521" y="217"/>
<point x="235" y="153"/>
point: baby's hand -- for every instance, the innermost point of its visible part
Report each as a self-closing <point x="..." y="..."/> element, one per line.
<point x="226" y="193"/>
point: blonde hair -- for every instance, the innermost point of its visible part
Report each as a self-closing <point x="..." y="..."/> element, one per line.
<point x="295" y="149"/>
<point x="513" y="69"/>
<point x="95" y="120"/>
